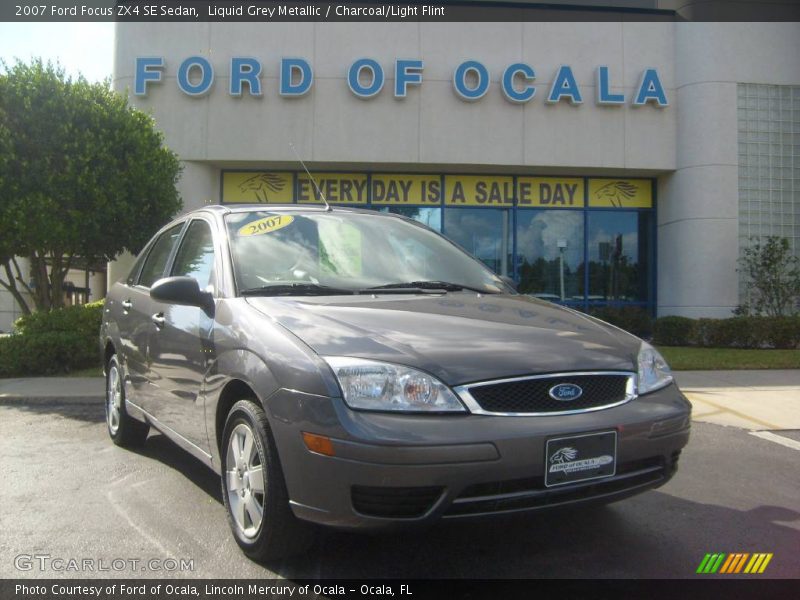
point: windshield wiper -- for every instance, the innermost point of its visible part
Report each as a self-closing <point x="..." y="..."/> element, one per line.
<point x="430" y="285"/>
<point x="297" y="289"/>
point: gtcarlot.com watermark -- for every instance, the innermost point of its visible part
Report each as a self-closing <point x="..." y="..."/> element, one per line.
<point x="46" y="562"/>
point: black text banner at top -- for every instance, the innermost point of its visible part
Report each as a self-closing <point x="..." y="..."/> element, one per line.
<point x="446" y="11"/>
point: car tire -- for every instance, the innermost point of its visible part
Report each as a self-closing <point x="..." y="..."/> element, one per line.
<point x="254" y="490"/>
<point x="123" y="429"/>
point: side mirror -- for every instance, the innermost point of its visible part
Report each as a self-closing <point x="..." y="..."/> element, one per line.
<point x="181" y="290"/>
<point x="509" y="282"/>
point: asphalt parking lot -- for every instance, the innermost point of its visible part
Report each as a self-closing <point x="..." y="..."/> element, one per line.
<point x="69" y="493"/>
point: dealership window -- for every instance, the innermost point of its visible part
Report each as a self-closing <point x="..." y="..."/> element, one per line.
<point x="484" y="233"/>
<point x="581" y="241"/>
<point x="618" y="248"/>
<point x="550" y="254"/>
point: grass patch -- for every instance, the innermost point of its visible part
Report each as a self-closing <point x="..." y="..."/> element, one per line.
<point x="685" y="358"/>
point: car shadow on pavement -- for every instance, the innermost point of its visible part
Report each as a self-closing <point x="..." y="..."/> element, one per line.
<point x="637" y="538"/>
<point x="159" y="447"/>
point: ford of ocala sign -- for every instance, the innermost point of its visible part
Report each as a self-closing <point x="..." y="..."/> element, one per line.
<point x="366" y="78"/>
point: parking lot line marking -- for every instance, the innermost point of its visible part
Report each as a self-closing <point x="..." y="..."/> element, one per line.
<point x="778" y="439"/>
<point x="139" y="530"/>
<point x="736" y="413"/>
<point x="706" y="414"/>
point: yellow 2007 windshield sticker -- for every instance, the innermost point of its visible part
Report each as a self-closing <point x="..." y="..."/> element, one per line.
<point x="266" y="225"/>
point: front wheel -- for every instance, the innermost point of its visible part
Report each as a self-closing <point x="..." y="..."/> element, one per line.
<point x="254" y="490"/>
<point x="124" y="430"/>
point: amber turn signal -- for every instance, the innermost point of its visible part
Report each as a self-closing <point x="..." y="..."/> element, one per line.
<point x="318" y="443"/>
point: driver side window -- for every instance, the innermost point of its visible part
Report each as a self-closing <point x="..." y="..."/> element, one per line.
<point x="195" y="256"/>
<point x="156" y="261"/>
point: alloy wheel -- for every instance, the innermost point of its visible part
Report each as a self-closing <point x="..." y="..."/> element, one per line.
<point x="244" y="472"/>
<point x="113" y="399"/>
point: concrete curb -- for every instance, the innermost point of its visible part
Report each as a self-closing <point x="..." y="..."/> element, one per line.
<point x="52" y="391"/>
<point x="51" y="401"/>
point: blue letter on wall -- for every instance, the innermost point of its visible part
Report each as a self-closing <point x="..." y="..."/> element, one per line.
<point x="651" y="89"/>
<point x="460" y="80"/>
<point x="565" y="86"/>
<point x="365" y="91"/>
<point x="604" y="95"/>
<point x="206" y="76"/>
<point x="245" y="70"/>
<point x="406" y="72"/>
<point x="525" y="93"/>
<point x="148" y="68"/>
<point x="290" y="66"/>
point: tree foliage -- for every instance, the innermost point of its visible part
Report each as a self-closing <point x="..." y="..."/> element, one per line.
<point x="82" y="174"/>
<point x="774" y="277"/>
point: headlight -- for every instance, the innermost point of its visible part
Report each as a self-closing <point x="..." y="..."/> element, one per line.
<point x="373" y="385"/>
<point x="654" y="372"/>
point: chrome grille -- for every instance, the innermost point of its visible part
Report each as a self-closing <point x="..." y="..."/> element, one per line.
<point x="531" y="395"/>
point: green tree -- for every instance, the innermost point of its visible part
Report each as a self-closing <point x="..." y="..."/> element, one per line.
<point x="774" y="277"/>
<point x="82" y="174"/>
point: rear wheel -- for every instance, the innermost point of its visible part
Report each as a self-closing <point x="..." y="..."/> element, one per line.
<point x="124" y="430"/>
<point x="254" y="490"/>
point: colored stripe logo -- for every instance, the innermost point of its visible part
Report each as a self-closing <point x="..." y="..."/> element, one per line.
<point x="737" y="562"/>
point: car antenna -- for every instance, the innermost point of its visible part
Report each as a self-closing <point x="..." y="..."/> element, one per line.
<point x="311" y="177"/>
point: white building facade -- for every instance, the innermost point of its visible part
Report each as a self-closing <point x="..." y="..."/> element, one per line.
<point x="622" y="163"/>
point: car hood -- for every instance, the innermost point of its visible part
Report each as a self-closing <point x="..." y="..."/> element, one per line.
<point x="459" y="337"/>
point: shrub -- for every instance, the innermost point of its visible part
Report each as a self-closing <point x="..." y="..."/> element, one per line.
<point x="774" y="276"/>
<point x="673" y="331"/>
<point x="632" y="319"/>
<point x="83" y="320"/>
<point x="48" y="343"/>
<point x="47" y="353"/>
<point x="737" y="332"/>
<point x="703" y="332"/>
<point x="781" y="332"/>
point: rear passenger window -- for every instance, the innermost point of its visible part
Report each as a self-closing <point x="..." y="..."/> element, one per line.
<point x="156" y="261"/>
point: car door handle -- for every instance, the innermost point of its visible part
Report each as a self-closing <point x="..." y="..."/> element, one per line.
<point x="127" y="304"/>
<point x="158" y="319"/>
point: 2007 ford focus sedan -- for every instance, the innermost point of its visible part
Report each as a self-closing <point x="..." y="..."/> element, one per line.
<point x="358" y="370"/>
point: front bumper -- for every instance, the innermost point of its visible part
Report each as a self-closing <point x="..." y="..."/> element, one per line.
<point x="391" y="469"/>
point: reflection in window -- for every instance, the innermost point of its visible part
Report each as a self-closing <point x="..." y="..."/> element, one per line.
<point x="350" y="250"/>
<point x="415" y="258"/>
<point x="619" y="245"/>
<point x="550" y="254"/>
<point x="195" y="257"/>
<point x="432" y="217"/>
<point x="156" y="261"/>
<point x="340" y="249"/>
<point x="484" y="233"/>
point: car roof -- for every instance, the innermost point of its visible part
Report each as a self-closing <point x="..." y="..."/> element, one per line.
<point x="223" y="209"/>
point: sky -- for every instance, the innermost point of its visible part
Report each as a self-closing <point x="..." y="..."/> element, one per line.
<point x="86" y="48"/>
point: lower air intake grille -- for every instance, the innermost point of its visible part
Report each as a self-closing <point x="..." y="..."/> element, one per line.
<point x="394" y="502"/>
<point x="531" y="494"/>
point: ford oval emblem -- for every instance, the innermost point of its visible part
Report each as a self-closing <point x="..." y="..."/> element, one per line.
<point x="564" y="392"/>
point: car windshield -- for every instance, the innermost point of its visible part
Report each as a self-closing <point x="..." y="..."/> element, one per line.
<point x="341" y="252"/>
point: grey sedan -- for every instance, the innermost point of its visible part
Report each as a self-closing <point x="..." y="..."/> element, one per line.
<point x="358" y="370"/>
